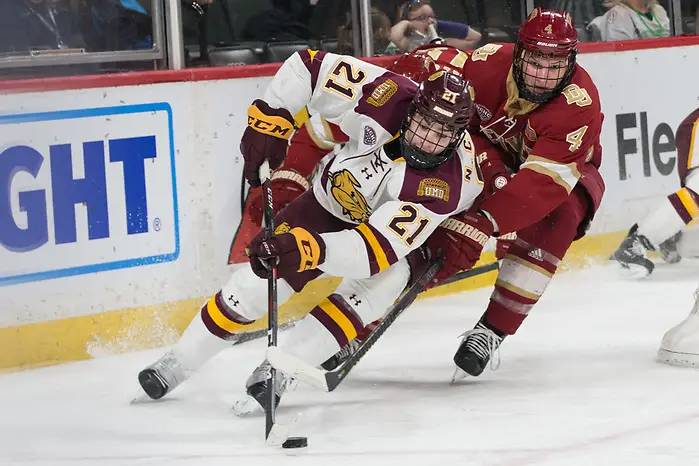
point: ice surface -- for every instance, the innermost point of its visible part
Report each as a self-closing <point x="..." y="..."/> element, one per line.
<point x="578" y="385"/>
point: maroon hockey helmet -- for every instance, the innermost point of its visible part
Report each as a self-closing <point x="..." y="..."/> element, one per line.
<point x="442" y="108"/>
<point x="415" y="67"/>
<point x="544" y="56"/>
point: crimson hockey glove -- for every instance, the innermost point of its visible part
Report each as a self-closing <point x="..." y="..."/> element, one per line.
<point x="296" y="251"/>
<point x="495" y="172"/>
<point x="461" y="238"/>
<point x="265" y="138"/>
<point x="287" y="185"/>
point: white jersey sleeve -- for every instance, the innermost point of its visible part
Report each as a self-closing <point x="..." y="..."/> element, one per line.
<point x="367" y="102"/>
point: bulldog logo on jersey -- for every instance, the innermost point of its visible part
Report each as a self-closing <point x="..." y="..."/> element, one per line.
<point x="434" y="187"/>
<point x="344" y="191"/>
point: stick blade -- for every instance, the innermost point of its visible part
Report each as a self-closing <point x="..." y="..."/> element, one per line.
<point x="296" y="368"/>
<point x="280" y="433"/>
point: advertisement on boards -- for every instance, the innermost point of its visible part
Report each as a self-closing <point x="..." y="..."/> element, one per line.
<point x="86" y="190"/>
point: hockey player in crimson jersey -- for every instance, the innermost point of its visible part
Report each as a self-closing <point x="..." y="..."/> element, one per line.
<point x="537" y="140"/>
<point x="662" y="229"/>
<point x="408" y="166"/>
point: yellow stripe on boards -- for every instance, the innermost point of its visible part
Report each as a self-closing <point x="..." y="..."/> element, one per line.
<point x="113" y="332"/>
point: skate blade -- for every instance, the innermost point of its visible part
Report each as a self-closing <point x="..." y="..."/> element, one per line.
<point x="458" y="376"/>
<point x="246" y="406"/>
<point x="633" y="272"/>
<point x="677" y="359"/>
<point x="141" y="398"/>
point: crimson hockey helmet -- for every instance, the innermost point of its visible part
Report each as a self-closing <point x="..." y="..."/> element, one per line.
<point x="442" y="108"/>
<point x="544" y="56"/>
<point x="414" y="67"/>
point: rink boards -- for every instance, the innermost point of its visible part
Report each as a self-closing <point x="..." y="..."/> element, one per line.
<point x="121" y="194"/>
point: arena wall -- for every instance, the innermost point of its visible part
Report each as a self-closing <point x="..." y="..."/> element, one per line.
<point x="124" y="259"/>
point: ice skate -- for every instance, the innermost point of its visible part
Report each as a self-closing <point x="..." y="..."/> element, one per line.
<point x="477" y="348"/>
<point x="632" y="255"/>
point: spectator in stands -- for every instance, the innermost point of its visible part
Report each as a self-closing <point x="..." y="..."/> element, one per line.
<point x="382" y="30"/>
<point x="419" y="25"/>
<point x="633" y="19"/>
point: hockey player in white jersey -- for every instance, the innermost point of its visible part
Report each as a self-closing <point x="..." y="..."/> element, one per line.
<point x="408" y="166"/>
<point x="661" y="230"/>
<point x="680" y="344"/>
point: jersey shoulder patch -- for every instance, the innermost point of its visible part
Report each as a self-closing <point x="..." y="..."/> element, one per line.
<point x="387" y="100"/>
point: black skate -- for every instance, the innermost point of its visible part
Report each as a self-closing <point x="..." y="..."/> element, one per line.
<point x="476" y="350"/>
<point x="668" y="249"/>
<point x="161" y="377"/>
<point x="153" y="384"/>
<point x="631" y="254"/>
<point x="350" y="348"/>
<point x="341" y="356"/>
<point x="256" y="388"/>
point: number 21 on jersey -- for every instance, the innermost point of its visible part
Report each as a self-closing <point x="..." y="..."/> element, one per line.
<point x="343" y="79"/>
<point x="408" y="224"/>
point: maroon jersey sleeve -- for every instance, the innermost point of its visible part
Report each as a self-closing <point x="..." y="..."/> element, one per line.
<point x="566" y="135"/>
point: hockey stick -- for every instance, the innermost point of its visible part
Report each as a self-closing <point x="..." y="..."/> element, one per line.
<point x="329" y="380"/>
<point x="275" y="434"/>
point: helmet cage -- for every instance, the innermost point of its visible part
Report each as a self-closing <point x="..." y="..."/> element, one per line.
<point x="540" y="91"/>
<point x="427" y="143"/>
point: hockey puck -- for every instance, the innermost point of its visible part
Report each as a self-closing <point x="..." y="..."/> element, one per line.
<point x="295" y="442"/>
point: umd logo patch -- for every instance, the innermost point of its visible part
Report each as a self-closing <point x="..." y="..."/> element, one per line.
<point x="383" y="93"/>
<point x="434" y="187"/>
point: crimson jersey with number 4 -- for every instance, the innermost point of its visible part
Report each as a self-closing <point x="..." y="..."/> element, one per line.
<point x="552" y="147"/>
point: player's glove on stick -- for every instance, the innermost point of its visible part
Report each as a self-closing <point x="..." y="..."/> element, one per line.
<point x="287" y="185"/>
<point x="461" y="238"/>
<point x="296" y="251"/>
<point x="265" y="138"/>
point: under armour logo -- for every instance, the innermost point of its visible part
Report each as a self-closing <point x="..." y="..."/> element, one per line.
<point x="366" y="173"/>
<point x="356" y="301"/>
<point x="231" y="300"/>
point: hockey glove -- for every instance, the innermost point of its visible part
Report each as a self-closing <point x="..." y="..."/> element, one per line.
<point x="296" y="251"/>
<point x="461" y="239"/>
<point x="495" y="172"/>
<point x="287" y="185"/>
<point x="265" y="138"/>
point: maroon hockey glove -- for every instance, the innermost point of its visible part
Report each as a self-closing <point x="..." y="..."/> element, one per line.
<point x="296" y="251"/>
<point x="461" y="239"/>
<point x="265" y="138"/>
<point x="287" y="185"/>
